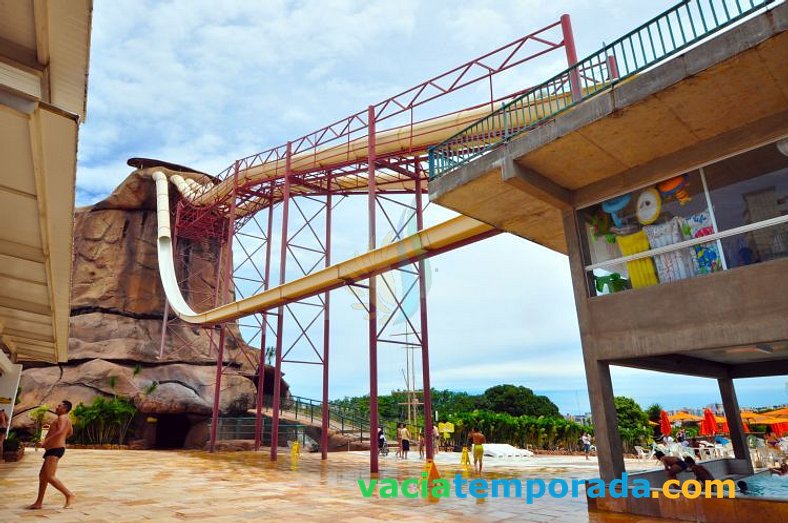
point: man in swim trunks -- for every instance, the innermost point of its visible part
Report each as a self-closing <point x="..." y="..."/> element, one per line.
<point x="55" y="445"/>
<point x="478" y="440"/>
<point x="673" y="465"/>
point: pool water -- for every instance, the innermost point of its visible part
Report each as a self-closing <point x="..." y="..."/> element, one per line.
<point x="767" y="484"/>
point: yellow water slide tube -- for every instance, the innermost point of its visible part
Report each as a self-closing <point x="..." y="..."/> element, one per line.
<point x="361" y="267"/>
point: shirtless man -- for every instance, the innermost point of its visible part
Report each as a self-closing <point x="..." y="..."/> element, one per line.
<point x="672" y="464"/>
<point x="702" y="474"/>
<point x="55" y="445"/>
<point x="478" y="440"/>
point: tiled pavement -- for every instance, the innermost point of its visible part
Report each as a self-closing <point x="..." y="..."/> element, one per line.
<point x="117" y="486"/>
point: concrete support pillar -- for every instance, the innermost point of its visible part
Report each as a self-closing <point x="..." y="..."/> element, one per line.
<point x="609" y="451"/>
<point x="731" y="404"/>
<point x="600" y="387"/>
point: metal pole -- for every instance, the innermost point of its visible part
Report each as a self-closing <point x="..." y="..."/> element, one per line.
<point x="326" y="331"/>
<point x="258" y="431"/>
<point x="373" y="313"/>
<point x="425" y="347"/>
<point x="164" y="321"/>
<point x="281" y="318"/>
<point x="571" y="58"/>
<point x="227" y="273"/>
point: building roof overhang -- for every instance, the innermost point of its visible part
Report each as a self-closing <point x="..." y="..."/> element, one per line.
<point x="44" y="51"/>
<point x="726" y="94"/>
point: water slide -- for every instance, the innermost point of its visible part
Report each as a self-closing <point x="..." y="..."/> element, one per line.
<point x="433" y="240"/>
<point x="408" y="139"/>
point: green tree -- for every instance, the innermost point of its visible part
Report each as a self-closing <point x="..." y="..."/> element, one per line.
<point x="653" y="411"/>
<point x="629" y="413"/>
<point x="518" y="401"/>
<point x="632" y="422"/>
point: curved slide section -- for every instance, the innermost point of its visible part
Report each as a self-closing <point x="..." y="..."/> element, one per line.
<point x="428" y="242"/>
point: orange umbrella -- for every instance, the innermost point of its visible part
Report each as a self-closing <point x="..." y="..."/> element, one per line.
<point x="759" y="419"/>
<point x="683" y="417"/>
<point x="779" y="413"/>
<point x="664" y="423"/>
<point x="727" y="429"/>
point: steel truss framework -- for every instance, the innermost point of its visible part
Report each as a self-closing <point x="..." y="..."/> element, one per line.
<point x="242" y="225"/>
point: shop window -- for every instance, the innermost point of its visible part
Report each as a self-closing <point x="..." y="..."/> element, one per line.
<point x="655" y="234"/>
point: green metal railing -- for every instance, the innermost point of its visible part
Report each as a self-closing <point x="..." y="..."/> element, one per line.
<point x="243" y="428"/>
<point x="661" y="37"/>
<point x="348" y="421"/>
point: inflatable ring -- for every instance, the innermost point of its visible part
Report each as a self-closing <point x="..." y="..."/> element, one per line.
<point x="648" y="207"/>
<point x="677" y="187"/>
<point x="614" y="205"/>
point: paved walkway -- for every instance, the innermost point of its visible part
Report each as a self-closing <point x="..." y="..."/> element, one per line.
<point x="120" y="486"/>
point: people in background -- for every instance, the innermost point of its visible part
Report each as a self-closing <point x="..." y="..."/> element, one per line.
<point x="782" y="470"/>
<point x="400" y="426"/>
<point x="478" y="440"/>
<point x="405" y="437"/>
<point x="673" y="465"/>
<point x="702" y="474"/>
<point x="585" y="439"/>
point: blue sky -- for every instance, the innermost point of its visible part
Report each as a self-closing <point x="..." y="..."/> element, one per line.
<point x="203" y="83"/>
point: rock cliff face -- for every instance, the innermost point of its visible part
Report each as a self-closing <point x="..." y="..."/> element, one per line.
<point x="117" y="304"/>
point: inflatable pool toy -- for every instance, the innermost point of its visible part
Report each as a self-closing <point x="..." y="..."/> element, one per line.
<point x="648" y="206"/>
<point x="614" y="283"/>
<point x="614" y="205"/>
<point x="676" y="187"/>
<point x="641" y="272"/>
<point x="600" y="226"/>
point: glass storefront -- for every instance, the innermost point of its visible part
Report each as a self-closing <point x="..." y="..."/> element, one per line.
<point x="727" y="214"/>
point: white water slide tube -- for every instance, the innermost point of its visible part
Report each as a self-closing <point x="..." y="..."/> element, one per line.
<point x="432" y="240"/>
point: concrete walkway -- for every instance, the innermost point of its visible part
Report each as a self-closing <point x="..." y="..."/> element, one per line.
<point x="119" y="486"/>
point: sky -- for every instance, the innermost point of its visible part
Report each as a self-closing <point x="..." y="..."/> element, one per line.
<point x="203" y="83"/>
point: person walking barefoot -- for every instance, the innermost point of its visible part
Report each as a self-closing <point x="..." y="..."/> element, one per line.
<point x="55" y="445"/>
<point x="478" y="440"/>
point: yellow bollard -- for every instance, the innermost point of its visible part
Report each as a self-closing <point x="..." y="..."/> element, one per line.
<point x="295" y="450"/>
<point x="465" y="459"/>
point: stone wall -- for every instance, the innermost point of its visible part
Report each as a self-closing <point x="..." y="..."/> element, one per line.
<point x="117" y="304"/>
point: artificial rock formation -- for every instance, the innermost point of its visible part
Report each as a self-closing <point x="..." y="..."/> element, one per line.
<point x="117" y="304"/>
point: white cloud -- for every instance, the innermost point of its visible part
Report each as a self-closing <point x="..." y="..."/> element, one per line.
<point x="203" y="83"/>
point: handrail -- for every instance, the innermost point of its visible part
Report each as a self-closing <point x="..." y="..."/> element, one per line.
<point x="666" y="34"/>
<point x="346" y="420"/>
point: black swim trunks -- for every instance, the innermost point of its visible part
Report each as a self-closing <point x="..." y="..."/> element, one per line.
<point x="57" y="452"/>
<point x="405" y="444"/>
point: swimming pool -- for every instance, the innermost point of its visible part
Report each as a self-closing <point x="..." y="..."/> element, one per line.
<point x="766" y="484"/>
